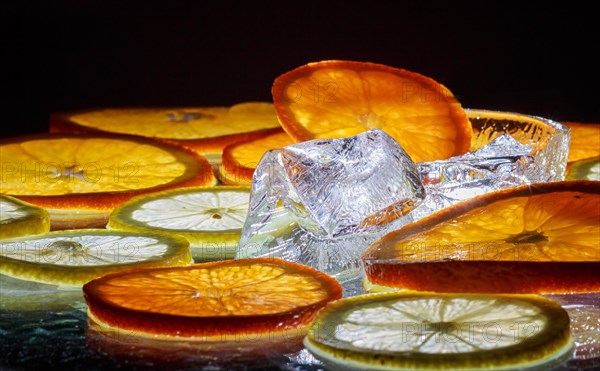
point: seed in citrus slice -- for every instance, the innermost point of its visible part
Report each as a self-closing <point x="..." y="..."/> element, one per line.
<point x="206" y="130"/>
<point x="585" y="141"/>
<point x="333" y="99"/>
<point x="18" y="218"/>
<point x="232" y="300"/>
<point x="211" y="218"/>
<point x="240" y="159"/>
<point x="72" y="258"/>
<point x="542" y="238"/>
<point x="80" y="179"/>
<point x="587" y="169"/>
<point x="440" y="331"/>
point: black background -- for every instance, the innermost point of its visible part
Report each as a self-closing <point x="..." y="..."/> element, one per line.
<point x="528" y="57"/>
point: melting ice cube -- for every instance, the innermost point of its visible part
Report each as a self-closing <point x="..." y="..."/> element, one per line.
<point x="323" y="202"/>
<point x="513" y="150"/>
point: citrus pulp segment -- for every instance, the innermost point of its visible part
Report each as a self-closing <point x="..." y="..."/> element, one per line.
<point x="542" y="238"/>
<point x="72" y="258"/>
<point x="206" y="130"/>
<point x="240" y="159"/>
<point x="233" y="300"/>
<point x="210" y="218"/>
<point x="18" y="218"/>
<point x="440" y="331"/>
<point x="333" y="99"/>
<point x="81" y="178"/>
<point x="585" y="141"/>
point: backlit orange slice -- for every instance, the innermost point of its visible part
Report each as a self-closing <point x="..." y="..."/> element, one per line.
<point x="543" y="238"/>
<point x="234" y="300"/>
<point x="585" y="141"/>
<point x="333" y="99"/>
<point x="80" y="179"/>
<point x="240" y="159"/>
<point x="206" y="130"/>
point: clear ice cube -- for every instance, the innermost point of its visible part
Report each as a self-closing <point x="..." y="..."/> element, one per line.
<point x="510" y="150"/>
<point x="323" y="202"/>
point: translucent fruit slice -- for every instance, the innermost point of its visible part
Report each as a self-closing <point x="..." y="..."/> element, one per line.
<point x="240" y="159"/>
<point x="206" y="130"/>
<point x="72" y="258"/>
<point x="588" y="169"/>
<point x="245" y="300"/>
<point x="18" y="218"/>
<point x="542" y="238"/>
<point x="80" y="179"/>
<point x="585" y="141"/>
<point x="210" y="218"/>
<point x="441" y="331"/>
<point x="333" y="99"/>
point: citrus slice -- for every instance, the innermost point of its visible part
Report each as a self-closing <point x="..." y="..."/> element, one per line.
<point x="588" y="169"/>
<point x="585" y="141"/>
<point x="72" y="258"/>
<point x="243" y="300"/>
<point x="18" y="218"/>
<point x="240" y="159"/>
<point x="440" y="331"/>
<point x="81" y="178"/>
<point x="206" y="130"/>
<point x="333" y="99"/>
<point x="543" y="238"/>
<point x="210" y="218"/>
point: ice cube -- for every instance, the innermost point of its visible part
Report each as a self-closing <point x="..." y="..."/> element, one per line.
<point x="513" y="149"/>
<point x="323" y="202"/>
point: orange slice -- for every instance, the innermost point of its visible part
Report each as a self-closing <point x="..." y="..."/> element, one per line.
<point x="543" y="238"/>
<point x="235" y="300"/>
<point x="333" y="99"/>
<point x="206" y="130"/>
<point x="585" y="141"/>
<point x="240" y="159"/>
<point x="80" y="179"/>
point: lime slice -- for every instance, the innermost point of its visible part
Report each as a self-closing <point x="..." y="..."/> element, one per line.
<point x="440" y="331"/>
<point x="588" y="169"/>
<point x="72" y="258"/>
<point x="211" y="218"/>
<point x="18" y="218"/>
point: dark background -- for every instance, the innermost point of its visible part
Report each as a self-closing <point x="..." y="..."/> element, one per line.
<point x="528" y="57"/>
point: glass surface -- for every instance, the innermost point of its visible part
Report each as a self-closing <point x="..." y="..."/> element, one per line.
<point x="45" y="328"/>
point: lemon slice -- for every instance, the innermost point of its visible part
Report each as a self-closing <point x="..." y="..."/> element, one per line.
<point x="18" y="218"/>
<point x="588" y="169"/>
<point x="210" y="218"/>
<point x="72" y="258"/>
<point x="440" y="331"/>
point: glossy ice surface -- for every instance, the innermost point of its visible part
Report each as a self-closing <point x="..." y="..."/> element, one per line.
<point x="320" y="202"/>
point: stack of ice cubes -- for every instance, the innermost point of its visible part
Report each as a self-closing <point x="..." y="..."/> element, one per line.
<point x="323" y="202"/>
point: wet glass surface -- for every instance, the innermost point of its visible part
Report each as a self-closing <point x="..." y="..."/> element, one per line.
<point x="45" y="328"/>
